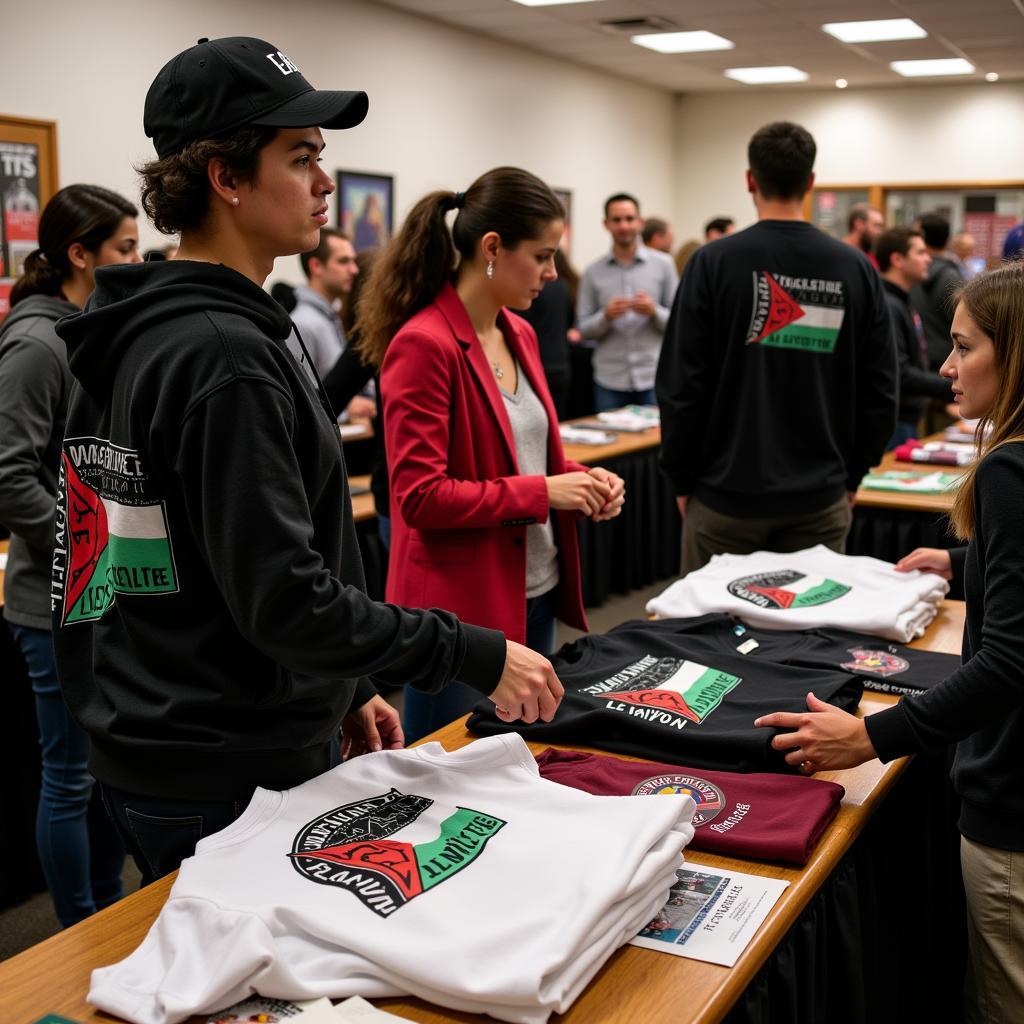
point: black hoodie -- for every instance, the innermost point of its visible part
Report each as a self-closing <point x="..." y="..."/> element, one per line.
<point x="210" y="619"/>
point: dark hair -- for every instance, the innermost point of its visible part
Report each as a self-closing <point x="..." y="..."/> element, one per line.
<point x="414" y="267"/>
<point x="176" y="190"/>
<point x="895" y="240"/>
<point x="86" y="214"/>
<point x="781" y="157"/>
<point x="935" y="230"/>
<point x="620" y="197"/>
<point x="653" y="226"/>
<point x="718" y="224"/>
<point x="349" y="304"/>
<point x="322" y="251"/>
<point x="859" y="211"/>
<point x="284" y="295"/>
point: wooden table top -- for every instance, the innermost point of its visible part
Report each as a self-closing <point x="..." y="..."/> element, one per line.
<point x="935" y="503"/>
<point x="634" y="985"/>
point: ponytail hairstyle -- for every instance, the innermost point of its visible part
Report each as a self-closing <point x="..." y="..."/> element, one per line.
<point x="87" y="214"/>
<point x="995" y="301"/>
<point x="417" y="263"/>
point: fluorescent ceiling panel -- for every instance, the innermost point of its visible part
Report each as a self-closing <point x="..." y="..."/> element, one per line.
<point x="767" y="76"/>
<point x="874" y="31"/>
<point x="932" y="68"/>
<point x="683" y="42"/>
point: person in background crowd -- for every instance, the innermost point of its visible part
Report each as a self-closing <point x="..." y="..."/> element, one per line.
<point x="552" y="315"/>
<point x="980" y="707"/>
<point x="346" y="381"/>
<point x="1013" y="244"/>
<point x="623" y="304"/>
<point x="962" y="247"/>
<point x="811" y="334"/>
<point x="483" y="501"/>
<point x="225" y="637"/>
<point x="82" y="227"/>
<point x="658" y="234"/>
<point x="330" y="271"/>
<point x="933" y="297"/>
<point x="903" y="261"/>
<point x="718" y="227"/>
<point x="863" y="226"/>
<point x="683" y="254"/>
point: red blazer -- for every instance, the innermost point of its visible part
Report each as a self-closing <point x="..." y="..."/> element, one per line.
<point x="459" y="509"/>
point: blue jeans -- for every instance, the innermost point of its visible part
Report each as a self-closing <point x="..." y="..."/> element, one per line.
<point x="79" y="848"/>
<point x="608" y="398"/>
<point x="423" y="713"/>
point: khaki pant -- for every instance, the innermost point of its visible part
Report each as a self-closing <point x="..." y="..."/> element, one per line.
<point x="707" y="533"/>
<point x="994" y="883"/>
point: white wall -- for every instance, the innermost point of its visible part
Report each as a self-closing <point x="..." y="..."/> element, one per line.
<point x="445" y="105"/>
<point x="877" y="136"/>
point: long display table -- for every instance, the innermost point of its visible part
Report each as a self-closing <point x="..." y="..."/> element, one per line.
<point x="811" y="960"/>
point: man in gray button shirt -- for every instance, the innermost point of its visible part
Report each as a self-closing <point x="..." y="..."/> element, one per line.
<point x="623" y="304"/>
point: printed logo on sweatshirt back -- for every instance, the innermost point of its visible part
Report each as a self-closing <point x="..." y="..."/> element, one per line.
<point x="802" y="313"/>
<point x="774" y="590"/>
<point x="665" y="691"/>
<point x="349" y="848"/>
<point x="877" y="663"/>
<point x="110" y="533"/>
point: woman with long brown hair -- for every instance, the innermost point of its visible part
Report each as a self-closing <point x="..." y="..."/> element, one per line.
<point x="483" y="501"/>
<point x="980" y="707"/>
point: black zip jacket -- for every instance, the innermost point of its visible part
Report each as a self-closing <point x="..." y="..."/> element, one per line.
<point x="211" y="625"/>
<point x="981" y="704"/>
<point x="777" y="377"/>
<point x="918" y="383"/>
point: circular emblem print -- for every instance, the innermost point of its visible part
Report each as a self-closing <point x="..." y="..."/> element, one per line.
<point x="708" y="797"/>
<point x="876" y="663"/>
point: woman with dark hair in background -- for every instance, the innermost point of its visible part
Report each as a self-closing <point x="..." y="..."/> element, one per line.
<point x="483" y="501"/>
<point x="82" y="227"/>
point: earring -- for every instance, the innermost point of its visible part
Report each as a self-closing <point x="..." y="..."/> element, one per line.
<point x="234" y="201"/>
<point x="490" y="270"/>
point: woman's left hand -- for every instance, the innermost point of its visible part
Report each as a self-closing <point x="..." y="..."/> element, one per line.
<point x="613" y="506"/>
<point x="374" y="726"/>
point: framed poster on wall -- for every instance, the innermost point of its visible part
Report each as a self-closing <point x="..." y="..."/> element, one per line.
<point x="28" y="177"/>
<point x="366" y="208"/>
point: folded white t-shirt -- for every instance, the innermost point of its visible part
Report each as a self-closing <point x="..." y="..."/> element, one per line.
<point x="806" y="590"/>
<point x="463" y="878"/>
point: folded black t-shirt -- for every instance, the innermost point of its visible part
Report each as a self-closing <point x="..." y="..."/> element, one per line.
<point x="672" y="691"/>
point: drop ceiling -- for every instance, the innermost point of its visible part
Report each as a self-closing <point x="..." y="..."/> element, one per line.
<point x="988" y="33"/>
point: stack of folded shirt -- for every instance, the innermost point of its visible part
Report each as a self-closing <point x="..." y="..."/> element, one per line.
<point x="937" y="453"/>
<point x="808" y="589"/>
<point x="767" y="816"/>
<point x="462" y="878"/>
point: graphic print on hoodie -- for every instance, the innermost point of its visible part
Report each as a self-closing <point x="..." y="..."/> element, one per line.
<point x="111" y="530"/>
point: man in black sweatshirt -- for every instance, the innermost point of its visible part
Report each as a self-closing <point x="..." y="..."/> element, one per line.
<point x="777" y="378"/>
<point x="903" y="261"/>
<point x="211" y="624"/>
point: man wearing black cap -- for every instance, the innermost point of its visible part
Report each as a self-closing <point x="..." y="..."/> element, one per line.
<point x="211" y="625"/>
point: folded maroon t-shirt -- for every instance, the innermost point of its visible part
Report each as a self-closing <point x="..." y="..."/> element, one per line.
<point x="772" y="817"/>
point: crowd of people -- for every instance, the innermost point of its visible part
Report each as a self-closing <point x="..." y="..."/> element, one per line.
<point x="184" y="579"/>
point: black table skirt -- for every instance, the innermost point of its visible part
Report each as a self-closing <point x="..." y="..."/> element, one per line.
<point x="883" y="940"/>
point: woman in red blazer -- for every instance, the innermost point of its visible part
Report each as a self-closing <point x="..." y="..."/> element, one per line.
<point x="483" y="501"/>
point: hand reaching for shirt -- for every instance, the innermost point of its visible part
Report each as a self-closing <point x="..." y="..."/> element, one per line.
<point x="528" y="688"/>
<point x="374" y="726"/>
<point x="935" y="560"/>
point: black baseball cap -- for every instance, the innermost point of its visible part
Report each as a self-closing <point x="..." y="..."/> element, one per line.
<point x="218" y="85"/>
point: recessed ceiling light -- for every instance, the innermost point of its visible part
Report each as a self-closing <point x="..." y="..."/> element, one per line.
<point x="928" y="68"/>
<point x="551" y="3"/>
<point x="841" y="83"/>
<point x="767" y="76"/>
<point x="992" y="76"/>
<point x="874" y="31"/>
<point x="683" y="42"/>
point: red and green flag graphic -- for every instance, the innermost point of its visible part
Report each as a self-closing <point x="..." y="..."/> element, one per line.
<point x="693" y="692"/>
<point x="796" y="313"/>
